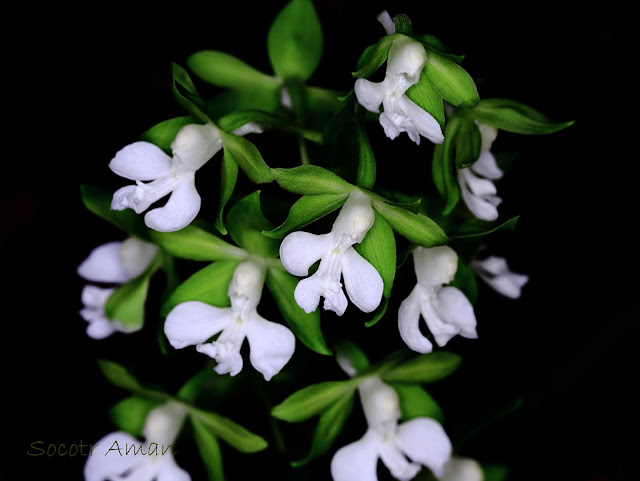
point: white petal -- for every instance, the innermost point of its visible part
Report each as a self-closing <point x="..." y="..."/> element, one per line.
<point x="300" y="250"/>
<point x="95" y="297"/>
<point x="478" y="186"/>
<point x="195" y="144"/>
<point x="357" y="461"/>
<point x="409" y="323"/>
<point x="392" y="124"/>
<point x="487" y="166"/>
<point x="396" y="462"/>
<point x="308" y="292"/>
<point x="105" y="461"/>
<point x="509" y="284"/>
<point x="454" y="308"/>
<point x="101" y="328"/>
<point x="493" y="265"/>
<point x="424" y="441"/>
<point x="172" y="472"/>
<point x="361" y="280"/>
<point x="125" y="198"/>
<point x="141" y="161"/>
<point x="252" y="127"/>
<point x="462" y="469"/>
<point x="271" y="346"/>
<point x="136" y="256"/>
<point x="369" y="94"/>
<point x="104" y="264"/>
<point x="227" y="356"/>
<point x="488" y="134"/>
<point x="181" y="208"/>
<point x="194" y="322"/>
<point x="335" y="300"/>
<point x="435" y="266"/>
<point x="482" y="207"/>
<point x="422" y="121"/>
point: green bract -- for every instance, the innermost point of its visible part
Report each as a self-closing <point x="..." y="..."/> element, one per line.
<point x="312" y="400"/>
<point x="425" y="368"/>
<point x="246" y="223"/>
<point x="225" y="70"/>
<point x="295" y="41"/>
<point x="196" y="244"/>
<point x="515" y="117"/>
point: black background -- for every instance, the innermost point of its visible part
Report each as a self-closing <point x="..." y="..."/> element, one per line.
<point x="87" y="82"/>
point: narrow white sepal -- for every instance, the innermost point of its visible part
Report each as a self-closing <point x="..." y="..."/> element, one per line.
<point x="425" y="442"/>
<point x="385" y="19"/>
<point x="300" y="250"/>
<point x="104" y="264"/>
<point x="141" y="161"/>
<point x="194" y="322"/>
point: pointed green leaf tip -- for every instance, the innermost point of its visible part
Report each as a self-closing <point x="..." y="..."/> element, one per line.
<point x="512" y="116"/>
<point x="312" y="400"/>
<point x="425" y="368"/>
<point x="229" y="431"/>
<point x="224" y="70"/>
<point x="295" y="41"/>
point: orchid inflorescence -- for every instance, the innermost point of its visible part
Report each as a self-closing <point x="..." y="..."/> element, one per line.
<point x="424" y="93"/>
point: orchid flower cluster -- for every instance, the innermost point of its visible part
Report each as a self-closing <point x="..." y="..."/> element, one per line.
<point x="318" y="275"/>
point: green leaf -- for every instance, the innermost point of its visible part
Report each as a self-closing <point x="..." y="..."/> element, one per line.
<point x="418" y="228"/>
<point x="196" y="244"/>
<point x="312" y="400"/>
<point x="479" y="228"/>
<point x="444" y="177"/>
<point x="495" y="472"/>
<point x="377" y="57"/>
<point x="208" y="285"/>
<point x="451" y="81"/>
<point x="229" y="431"/>
<point x="379" y="248"/>
<point x="365" y="58"/>
<point x="247" y="157"/>
<point x="512" y="116"/>
<point x="126" y="303"/>
<point x="306" y="327"/>
<point x="246" y="223"/>
<point x="468" y="144"/>
<point x="186" y="94"/>
<point x="415" y="402"/>
<point x="224" y="70"/>
<point x="228" y="177"/>
<point x="328" y="428"/>
<point x="209" y="450"/>
<point x="98" y="201"/>
<point x="237" y="119"/>
<point x="379" y="313"/>
<point x="367" y="162"/>
<point x="265" y="98"/>
<point x="425" y="368"/>
<point x="118" y="375"/>
<point x="311" y="180"/>
<point x="295" y="41"/>
<point x="402" y="23"/>
<point x="306" y="210"/>
<point x="465" y="280"/>
<point x="426" y="97"/>
<point x="162" y="134"/>
<point x="130" y="414"/>
<point x="434" y="43"/>
<point x="354" y="354"/>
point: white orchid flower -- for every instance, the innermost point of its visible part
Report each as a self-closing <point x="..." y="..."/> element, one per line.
<point x="120" y="456"/>
<point x="300" y="250"/>
<point x="112" y="263"/>
<point x="495" y="272"/>
<point x="446" y="310"/>
<point x="462" y="469"/>
<point x="422" y="440"/>
<point x="194" y="323"/>
<point x="404" y="64"/>
<point x="478" y="190"/>
<point x="192" y="147"/>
